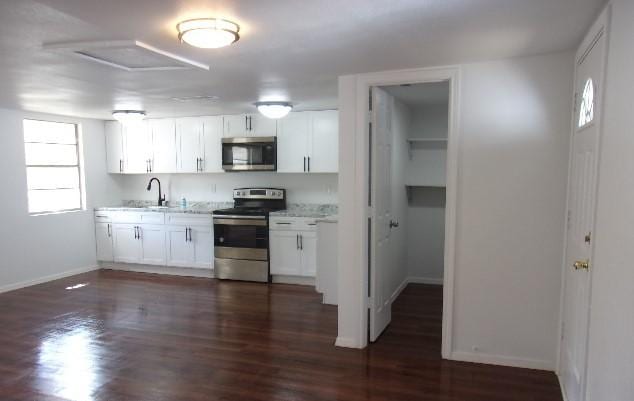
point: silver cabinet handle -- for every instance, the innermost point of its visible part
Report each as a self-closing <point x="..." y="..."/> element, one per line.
<point x="201" y="164"/>
<point x="308" y="163"/>
<point x="297" y="241"/>
<point x="109" y="230"/>
<point x="250" y="123"/>
<point x="301" y="242"/>
<point x="135" y="234"/>
<point x="246" y="123"/>
<point x="121" y="165"/>
<point x="304" y="163"/>
<point x="189" y="230"/>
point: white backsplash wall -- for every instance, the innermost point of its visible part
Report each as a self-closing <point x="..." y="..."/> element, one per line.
<point x="300" y="188"/>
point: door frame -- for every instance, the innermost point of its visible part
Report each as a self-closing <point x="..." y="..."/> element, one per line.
<point x="353" y="257"/>
<point x="600" y="26"/>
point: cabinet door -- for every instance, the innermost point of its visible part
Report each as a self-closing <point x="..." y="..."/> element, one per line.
<point x="212" y="144"/>
<point x="127" y="248"/>
<point x="292" y="143"/>
<point x="235" y="125"/>
<point x="163" y="146"/>
<point x="308" y="251"/>
<point x="103" y="236"/>
<point x="261" y="126"/>
<point x="114" y="147"/>
<point x="179" y="249"/>
<point x="138" y="147"/>
<point x="188" y="133"/>
<point x="324" y="144"/>
<point x="202" y="242"/>
<point x="285" y="257"/>
<point x="152" y="244"/>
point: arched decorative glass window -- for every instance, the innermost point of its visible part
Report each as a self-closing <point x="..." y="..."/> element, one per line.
<point x="586" y="109"/>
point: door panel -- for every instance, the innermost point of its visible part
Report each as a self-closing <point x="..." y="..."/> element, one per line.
<point x="103" y="235"/>
<point x="152" y="244"/>
<point x="188" y="133"/>
<point x="292" y="143"/>
<point x="127" y="248"/>
<point x="114" y="147"/>
<point x="179" y="250"/>
<point x="380" y="308"/>
<point x="163" y="146"/>
<point x="262" y="126"/>
<point x="212" y="144"/>
<point x="285" y="258"/>
<point x="202" y="242"/>
<point x="138" y="147"/>
<point x="308" y="245"/>
<point x="581" y="209"/>
<point x="324" y="154"/>
<point x="235" y="126"/>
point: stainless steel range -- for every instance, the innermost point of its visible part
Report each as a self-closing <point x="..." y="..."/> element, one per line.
<point x="241" y="234"/>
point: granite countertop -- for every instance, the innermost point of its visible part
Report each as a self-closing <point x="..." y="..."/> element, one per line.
<point x="147" y="206"/>
<point x="308" y="210"/>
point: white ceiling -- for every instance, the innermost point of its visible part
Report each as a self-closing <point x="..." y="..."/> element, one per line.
<point x="290" y="49"/>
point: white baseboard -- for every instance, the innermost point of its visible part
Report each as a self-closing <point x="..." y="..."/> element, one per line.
<point x="297" y="280"/>
<point x="425" y="280"/>
<point x="45" y="279"/>
<point x="346" y="342"/>
<point x="502" y="360"/>
<point x="398" y="291"/>
<point x="172" y="271"/>
<point x="561" y="387"/>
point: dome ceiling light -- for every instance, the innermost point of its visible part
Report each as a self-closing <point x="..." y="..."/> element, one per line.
<point x="274" y="110"/>
<point x="128" y="116"/>
<point x="208" y="33"/>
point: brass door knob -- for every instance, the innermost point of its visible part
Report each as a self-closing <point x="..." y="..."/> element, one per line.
<point x="581" y="264"/>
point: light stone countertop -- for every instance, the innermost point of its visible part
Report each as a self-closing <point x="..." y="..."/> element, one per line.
<point x="147" y="206"/>
<point x="318" y="211"/>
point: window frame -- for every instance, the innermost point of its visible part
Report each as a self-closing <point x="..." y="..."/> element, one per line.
<point x="80" y="167"/>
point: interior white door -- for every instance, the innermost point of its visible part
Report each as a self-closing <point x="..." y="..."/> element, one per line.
<point x="292" y="143"/>
<point x="381" y="155"/>
<point x="212" y="143"/>
<point x="138" y="147"/>
<point x="163" y="146"/>
<point x="188" y="133"/>
<point x="261" y="126"/>
<point x="324" y="145"/>
<point x="581" y="210"/>
<point x="114" y="147"/>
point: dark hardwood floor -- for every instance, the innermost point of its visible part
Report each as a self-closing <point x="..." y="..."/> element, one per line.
<point x="140" y="337"/>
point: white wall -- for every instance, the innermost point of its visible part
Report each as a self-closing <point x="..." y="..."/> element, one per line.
<point x="34" y="248"/>
<point x="301" y="188"/>
<point x="514" y="129"/>
<point x="512" y="190"/>
<point x="611" y="352"/>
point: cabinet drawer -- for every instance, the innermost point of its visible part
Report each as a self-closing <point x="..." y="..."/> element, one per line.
<point x="185" y="219"/>
<point x="292" y="223"/>
<point x="103" y="217"/>
<point x="138" y="217"/>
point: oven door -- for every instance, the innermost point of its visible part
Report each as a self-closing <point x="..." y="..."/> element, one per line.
<point x="238" y="237"/>
<point x="248" y="154"/>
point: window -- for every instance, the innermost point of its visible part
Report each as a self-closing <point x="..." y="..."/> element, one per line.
<point x="586" y="110"/>
<point x="52" y="166"/>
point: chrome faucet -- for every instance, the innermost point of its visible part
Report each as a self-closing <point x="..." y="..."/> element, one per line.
<point x="161" y="198"/>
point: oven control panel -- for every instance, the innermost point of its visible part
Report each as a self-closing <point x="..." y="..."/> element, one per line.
<point x="258" y="193"/>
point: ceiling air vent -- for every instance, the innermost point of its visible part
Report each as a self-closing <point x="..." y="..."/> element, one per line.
<point x="127" y="55"/>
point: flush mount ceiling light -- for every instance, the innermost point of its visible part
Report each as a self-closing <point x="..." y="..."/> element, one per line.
<point x="128" y="116"/>
<point x="274" y="109"/>
<point x="208" y="33"/>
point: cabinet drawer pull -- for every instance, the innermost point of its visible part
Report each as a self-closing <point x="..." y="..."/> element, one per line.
<point x="282" y="223"/>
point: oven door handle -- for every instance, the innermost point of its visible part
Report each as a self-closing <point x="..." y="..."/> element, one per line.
<point x="240" y="222"/>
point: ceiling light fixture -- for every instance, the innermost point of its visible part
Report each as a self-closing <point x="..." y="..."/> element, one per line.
<point x="208" y="33"/>
<point x="274" y="109"/>
<point x="128" y="116"/>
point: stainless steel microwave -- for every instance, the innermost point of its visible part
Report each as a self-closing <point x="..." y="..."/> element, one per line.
<point x="249" y="154"/>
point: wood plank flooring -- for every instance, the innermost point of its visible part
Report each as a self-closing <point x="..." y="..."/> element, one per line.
<point x="140" y="337"/>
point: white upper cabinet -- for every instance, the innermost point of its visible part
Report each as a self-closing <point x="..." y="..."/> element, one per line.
<point x="308" y="142"/>
<point x="292" y="143"/>
<point x="241" y="125"/>
<point x="324" y="142"/>
<point x="114" y="147"/>
<point x="261" y="126"/>
<point x="138" y="148"/>
<point x="163" y="146"/>
<point x="188" y="144"/>
<point x="212" y="144"/>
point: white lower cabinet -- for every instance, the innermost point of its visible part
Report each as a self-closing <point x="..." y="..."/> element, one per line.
<point x="103" y="237"/>
<point x="152" y="240"/>
<point x="143" y="243"/>
<point x="127" y="248"/>
<point x="190" y="246"/>
<point x="293" y="244"/>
